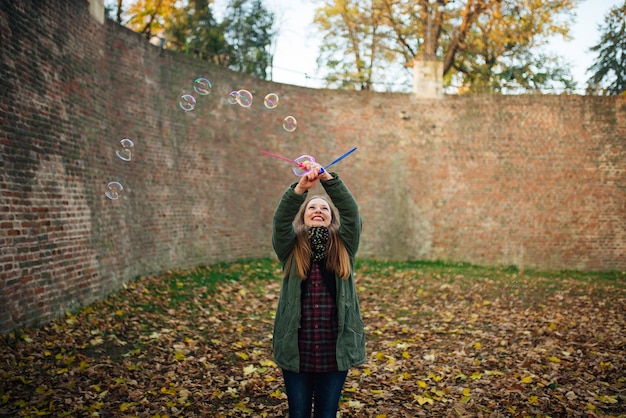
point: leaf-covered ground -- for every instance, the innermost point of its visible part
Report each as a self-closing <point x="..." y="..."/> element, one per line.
<point x="443" y="341"/>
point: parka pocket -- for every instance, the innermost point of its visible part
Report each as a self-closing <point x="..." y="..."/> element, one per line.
<point x="354" y="322"/>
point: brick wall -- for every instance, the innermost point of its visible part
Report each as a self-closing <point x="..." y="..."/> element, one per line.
<point x="535" y="181"/>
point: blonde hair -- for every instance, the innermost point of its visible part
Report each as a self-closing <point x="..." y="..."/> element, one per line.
<point x="337" y="258"/>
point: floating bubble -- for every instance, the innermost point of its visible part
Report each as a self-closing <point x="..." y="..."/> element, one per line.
<point x="114" y="191"/>
<point x="244" y="98"/>
<point x="271" y="100"/>
<point x="202" y="86"/>
<point x="187" y="102"/>
<point x="125" y="153"/>
<point x="301" y="169"/>
<point x="233" y="97"/>
<point x="290" y="124"/>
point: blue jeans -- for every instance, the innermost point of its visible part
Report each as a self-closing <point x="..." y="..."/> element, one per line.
<point x="323" y="388"/>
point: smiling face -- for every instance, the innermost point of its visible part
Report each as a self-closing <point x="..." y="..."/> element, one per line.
<point x="317" y="213"/>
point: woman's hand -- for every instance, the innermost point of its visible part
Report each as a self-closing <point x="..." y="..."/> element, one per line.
<point x="311" y="177"/>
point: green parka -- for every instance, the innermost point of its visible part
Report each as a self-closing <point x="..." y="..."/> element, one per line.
<point x="350" y="334"/>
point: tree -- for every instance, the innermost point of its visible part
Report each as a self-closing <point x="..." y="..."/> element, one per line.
<point x="249" y="31"/>
<point x="149" y="17"/>
<point x="609" y="68"/>
<point x="483" y="44"/>
<point x="242" y="41"/>
<point x="196" y="31"/>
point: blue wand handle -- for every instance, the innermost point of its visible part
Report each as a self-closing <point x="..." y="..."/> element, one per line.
<point x="338" y="159"/>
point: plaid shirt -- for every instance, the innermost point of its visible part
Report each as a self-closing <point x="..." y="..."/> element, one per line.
<point x="317" y="337"/>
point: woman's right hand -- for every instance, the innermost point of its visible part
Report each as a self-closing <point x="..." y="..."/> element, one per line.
<point x="309" y="179"/>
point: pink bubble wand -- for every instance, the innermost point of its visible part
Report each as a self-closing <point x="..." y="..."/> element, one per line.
<point x="299" y="162"/>
<point x="300" y="171"/>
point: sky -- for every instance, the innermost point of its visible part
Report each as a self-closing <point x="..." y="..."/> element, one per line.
<point x="297" y="44"/>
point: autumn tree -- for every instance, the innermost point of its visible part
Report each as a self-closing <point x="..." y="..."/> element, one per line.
<point x="196" y="31"/>
<point x="241" y="41"/>
<point x="483" y="44"/>
<point x="609" y="68"/>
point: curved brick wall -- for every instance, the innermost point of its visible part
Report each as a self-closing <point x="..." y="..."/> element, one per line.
<point x="535" y="181"/>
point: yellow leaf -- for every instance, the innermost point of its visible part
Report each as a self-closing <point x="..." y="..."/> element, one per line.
<point x="533" y="399"/>
<point x="243" y="356"/>
<point x="406" y="354"/>
<point x="376" y="391"/>
<point x="380" y="356"/>
<point x="240" y="406"/>
<point x="168" y="391"/>
<point x="466" y="391"/>
<point x="276" y="394"/>
<point x="381" y="416"/>
<point x="127" y="405"/>
<point x="477" y="345"/>
<point x="267" y="363"/>
<point x="269" y="378"/>
<point x="437" y="392"/>
<point x="527" y="379"/>
<point x="352" y="390"/>
<point x="423" y="399"/>
<point x="554" y="359"/>
<point x="119" y="312"/>
<point x="421" y="384"/>
<point x="476" y="376"/>
<point x="367" y="372"/>
<point x="607" y="399"/>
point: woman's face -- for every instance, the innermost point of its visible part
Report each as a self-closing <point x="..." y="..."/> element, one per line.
<point x="317" y="213"/>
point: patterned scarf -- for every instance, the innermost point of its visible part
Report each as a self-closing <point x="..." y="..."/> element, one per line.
<point x="318" y="237"/>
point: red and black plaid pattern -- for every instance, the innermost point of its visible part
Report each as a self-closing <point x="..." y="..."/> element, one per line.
<point x="317" y="337"/>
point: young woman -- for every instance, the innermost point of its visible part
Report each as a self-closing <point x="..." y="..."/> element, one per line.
<point x="318" y="330"/>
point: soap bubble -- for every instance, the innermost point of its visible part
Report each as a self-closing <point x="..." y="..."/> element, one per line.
<point x="244" y="98"/>
<point x="271" y="100"/>
<point x="125" y="153"/>
<point x="290" y="124"/>
<point x="187" y="102"/>
<point x="301" y="169"/>
<point x="202" y="86"/>
<point x="115" y="188"/>
<point x="233" y="96"/>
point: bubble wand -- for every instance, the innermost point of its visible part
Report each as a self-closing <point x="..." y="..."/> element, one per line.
<point x="283" y="158"/>
<point x="301" y="170"/>
<point x="338" y="159"/>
